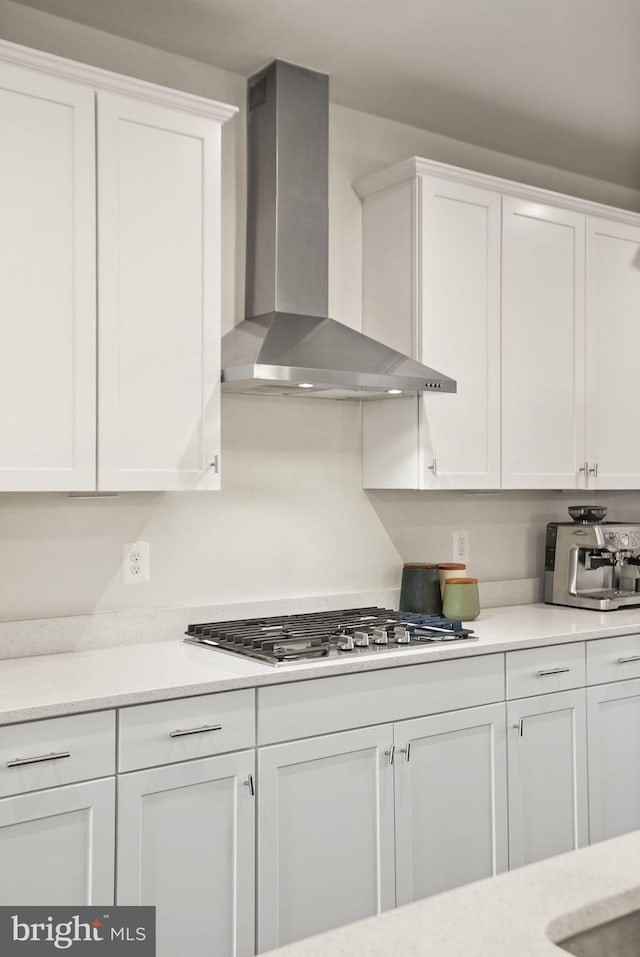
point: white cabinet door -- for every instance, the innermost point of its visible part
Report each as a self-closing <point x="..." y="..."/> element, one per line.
<point x="547" y="755"/>
<point x="613" y="344"/>
<point x="186" y="846"/>
<point x="451" y="800"/>
<point x="613" y="716"/>
<point x="47" y="283"/>
<point x="543" y="276"/>
<point x="432" y="290"/>
<point x="325" y="833"/>
<point x="459" y="333"/>
<point x="57" y="846"/>
<point x="159" y="296"/>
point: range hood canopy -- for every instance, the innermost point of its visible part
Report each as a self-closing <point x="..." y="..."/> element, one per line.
<point x="289" y="346"/>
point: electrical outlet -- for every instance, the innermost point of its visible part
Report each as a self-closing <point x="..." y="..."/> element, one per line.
<point x="461" y="547"/>
<point x="135" y="563"/>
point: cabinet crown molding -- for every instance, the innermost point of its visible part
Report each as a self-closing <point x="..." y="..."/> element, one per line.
<point x="417" y="166"/>
<point x="17" y="55"/>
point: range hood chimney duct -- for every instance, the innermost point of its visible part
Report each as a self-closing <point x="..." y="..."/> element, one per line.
<point x="289" y="346"/>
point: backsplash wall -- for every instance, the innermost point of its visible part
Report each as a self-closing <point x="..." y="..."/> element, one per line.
<point x="292" y="519"/>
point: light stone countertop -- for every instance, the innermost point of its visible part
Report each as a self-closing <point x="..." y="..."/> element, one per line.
<point x="43" y="686"/>
<point x="517" y="914"/>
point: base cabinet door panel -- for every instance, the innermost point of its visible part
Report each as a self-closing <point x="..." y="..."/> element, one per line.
<point x="547" y="755"/>
<point x="186" y="845"/>
<point x="325" y="826"/>
<point x="451" y="801"/>
<point x="57" y="846"/>
<point x="613" y="717"/>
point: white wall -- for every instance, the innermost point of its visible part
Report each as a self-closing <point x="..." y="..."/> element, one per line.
<point x="292" y="519"/>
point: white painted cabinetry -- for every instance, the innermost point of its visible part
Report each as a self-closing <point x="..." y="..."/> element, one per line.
<point x="57" y="828"/>
<point x="547" y="754"/>
<point x="529" y="299"/>
<point x="543" y="346"/>
<point x="546" y="751"/>
<point x="613" y="716"/>
<point x="431" y="263"/>
<point x="186" y="826"/>
<point x="151" y="188"/>
<point x="325" y="826"/>
<point x="186" y="846"/>
<point x="450" y="800"/>
<point x="159" y="296"/>
<point x="613" y="343"/>
<point x="47" y="282"/>
<point x="353" y="822"/>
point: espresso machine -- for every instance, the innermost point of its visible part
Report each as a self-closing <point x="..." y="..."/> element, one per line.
<point x="590" y="563"/>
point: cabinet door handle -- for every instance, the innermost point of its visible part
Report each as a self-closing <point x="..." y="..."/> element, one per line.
<point x="390" y="753"/>
<point x="407" y="752"/>
<point x="594" y="470"/>
<point x="249" y="783"/>
<point x="623" y="661"/>
<point x="553" y="671"/>
<point x="20" y="762"/>
<point x="519" y="727"/>
<point x="584" y="468"/>
<point x="215" y="464"/>
<point x="433" y="467"/>
<point x="202" y="730"/>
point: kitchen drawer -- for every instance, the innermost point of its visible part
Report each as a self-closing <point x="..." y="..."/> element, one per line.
<point x="534" y="671"/>
<point x="613" y="659"/>
<point x="185" y="728"/>
<point x="324" y="705"/>
<point x="44" y="754"/>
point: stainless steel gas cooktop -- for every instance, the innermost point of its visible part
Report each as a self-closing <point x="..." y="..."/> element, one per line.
<point x="329" y="634"/>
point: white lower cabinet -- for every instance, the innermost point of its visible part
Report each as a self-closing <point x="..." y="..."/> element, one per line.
<point x="325" y="833"/>
<point x="547" y="756"/>
<point x="186" y="845"/>
<point x="613" y="714"/>
<point x="56" y="846"/>
<point x="450" y="801"/>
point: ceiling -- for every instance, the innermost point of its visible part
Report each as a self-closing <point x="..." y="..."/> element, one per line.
<point x="556" y="81"/>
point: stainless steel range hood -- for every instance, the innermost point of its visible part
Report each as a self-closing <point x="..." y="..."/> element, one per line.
<point x="289" y="346"/>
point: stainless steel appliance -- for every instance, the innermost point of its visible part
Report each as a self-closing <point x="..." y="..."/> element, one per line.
<point x="592" y="564"/>
<point x="288" y="345"/>
<point x="328" y="634"/>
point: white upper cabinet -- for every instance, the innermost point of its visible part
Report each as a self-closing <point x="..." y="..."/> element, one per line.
<point x="432" y="290"/>
<point x="159" y="282"/>
<point x="47" y="283"/>
<point x="613" y="343"/>
<point x="150" y="190"/>
<point x="542" y="346"/>
<point x="530" y="300"/>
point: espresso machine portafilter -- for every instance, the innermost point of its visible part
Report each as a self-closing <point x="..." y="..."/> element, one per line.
<point x="592" y="564"/>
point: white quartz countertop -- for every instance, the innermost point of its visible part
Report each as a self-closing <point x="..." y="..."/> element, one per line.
<point x="517" y="914"/>
<point x="46" y="685"/>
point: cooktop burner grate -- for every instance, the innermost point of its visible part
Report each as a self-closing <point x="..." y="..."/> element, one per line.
<point x="354" y="631"/>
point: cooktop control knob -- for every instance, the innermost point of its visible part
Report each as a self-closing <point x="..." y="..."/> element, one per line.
<point x="346" y="644"/>
<point x="361" y="639"/>
<point x="401" y="635"/>
<point x="380" y="636"/>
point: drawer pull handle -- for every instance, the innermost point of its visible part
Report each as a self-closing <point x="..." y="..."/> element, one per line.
<point x="202" y="730"/>
<point x="20" y="762"/>
<point x="553" y="671"/>
<point x="623" y="661"/>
